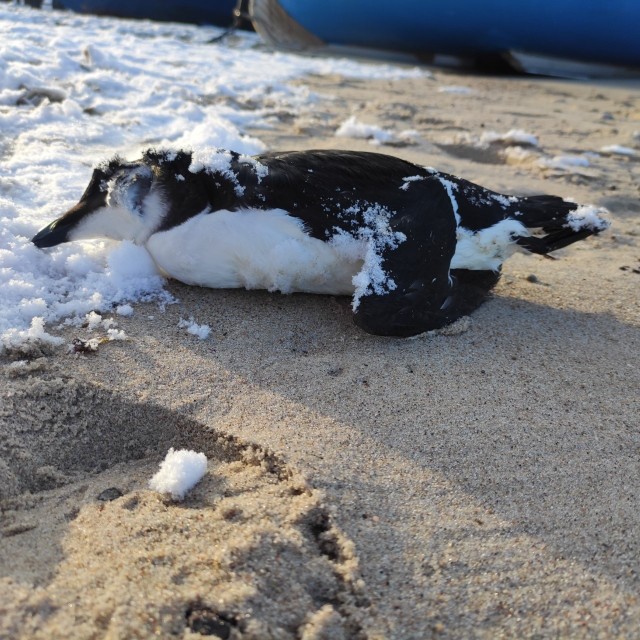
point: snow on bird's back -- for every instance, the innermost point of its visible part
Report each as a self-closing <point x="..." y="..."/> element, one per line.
<point x="588" y="217"/>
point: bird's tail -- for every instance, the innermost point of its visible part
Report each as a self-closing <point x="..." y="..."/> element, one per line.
<point x="555" y="223"/>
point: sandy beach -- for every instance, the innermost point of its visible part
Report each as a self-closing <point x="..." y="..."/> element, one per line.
<point x="483" y="483"/>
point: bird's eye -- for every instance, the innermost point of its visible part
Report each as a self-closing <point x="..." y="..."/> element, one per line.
<point x="130" y="187"/>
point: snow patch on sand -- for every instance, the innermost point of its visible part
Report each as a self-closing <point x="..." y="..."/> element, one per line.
<point x="179" y="472"/>
<point x="456" y="90"/>
<point x="353" y="128"/>
<point x="619" y="150"/>
<point x="512" y="137"/>
<point x="201" y="331"/>
<point x="564" y="162"/>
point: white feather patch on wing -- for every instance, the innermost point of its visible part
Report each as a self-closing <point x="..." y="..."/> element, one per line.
<point x="487" y="248"/>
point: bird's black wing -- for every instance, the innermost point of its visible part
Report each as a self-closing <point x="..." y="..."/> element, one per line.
<point x="328" y="189"/>
<point x="419" y="290"/>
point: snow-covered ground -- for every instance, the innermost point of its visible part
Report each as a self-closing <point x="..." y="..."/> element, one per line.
<point x="75" y="90"/>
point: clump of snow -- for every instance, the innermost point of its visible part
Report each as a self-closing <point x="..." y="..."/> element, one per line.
<point x="262" y="171"/>
<point x="456" y="89"/>
<point x="217" y="133"/>
<point x="67" y="103"/>
<point x="511" y="137"/>
<point x="132" y="273"/>
<point x="201" y="331"/>
<point x="93" y="320"/>
<point x="116" y="334"/>
<point x="588" y="217"/>
<point x="215" y="161"/>
<point x="353" y="128"/>
<point x="502" y="200"/>
<point x="124" y="310"/>
<point x="35" y="334"/>
<point x="616" y="149"/>
<point x="565" y="162"/>
<point x="179" y="472"/>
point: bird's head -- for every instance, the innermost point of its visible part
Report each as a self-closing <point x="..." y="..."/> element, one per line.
<point x="123" y="201"/>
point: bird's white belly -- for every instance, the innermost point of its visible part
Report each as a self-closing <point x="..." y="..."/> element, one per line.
<point x="255" y="250"/>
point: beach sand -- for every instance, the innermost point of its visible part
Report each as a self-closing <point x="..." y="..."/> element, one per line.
<point x="484" y="483"/>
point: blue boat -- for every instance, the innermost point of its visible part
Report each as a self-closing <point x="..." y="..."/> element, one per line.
<point x="591" y="31"/>
<point x="217" y="12"/>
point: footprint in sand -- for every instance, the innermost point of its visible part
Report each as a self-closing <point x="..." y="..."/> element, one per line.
<point x="88" y="550"/>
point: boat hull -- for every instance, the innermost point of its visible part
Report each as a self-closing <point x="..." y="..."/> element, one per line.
<point x="582" y="30"/>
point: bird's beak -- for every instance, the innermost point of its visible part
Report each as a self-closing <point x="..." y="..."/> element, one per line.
<point x="58" y="231"/>
<point x="55" y="233"/>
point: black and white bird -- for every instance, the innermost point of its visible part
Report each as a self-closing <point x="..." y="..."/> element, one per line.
<point x="415" y="248"/>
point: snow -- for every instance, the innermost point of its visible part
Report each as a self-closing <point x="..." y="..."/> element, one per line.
<point x="372" y="278"/>
<point x="588" y="217"/>
<point x="502" y="200"/>
<point x="564" y="162"/>
<point x="451" y="187"/>
<point x="116" y="334"/>
<point x="353" y="128"/>
<point x="215" y="161"/>
<point x="124" y="310"/>
<point x="179" y="472"/>
<point x="456" y="89"/>
<point x="201" y="331"/>
<point x="511" y="137"/>
<point x="93" y="320"/>
<point x="616" y="149"/>
<point x="77" y="90"/>
<point x="35" y="332"/>
<point x="406" y="182"/>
